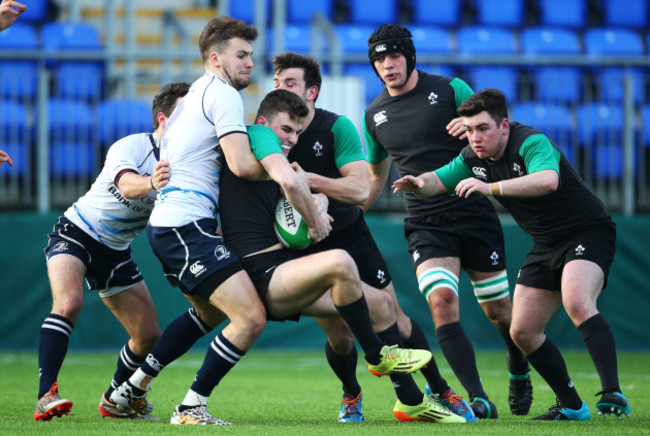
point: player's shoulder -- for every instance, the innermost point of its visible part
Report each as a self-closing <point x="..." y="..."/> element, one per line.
<point x="132" y="143"/>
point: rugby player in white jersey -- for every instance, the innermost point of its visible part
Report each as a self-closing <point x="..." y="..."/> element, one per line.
<point x="92" y="240"/>
<point x="207" y="127"/>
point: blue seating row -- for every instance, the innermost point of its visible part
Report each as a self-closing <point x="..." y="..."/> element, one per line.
<point x="78" y="132"/>
<point x="452" y="13"/>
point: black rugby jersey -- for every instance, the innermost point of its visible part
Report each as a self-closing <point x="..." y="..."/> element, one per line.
<point x="247" y="208"/>
<point x="411" y="129"/>
<point x="329" y="142"/>
<point x="572" y="208"/>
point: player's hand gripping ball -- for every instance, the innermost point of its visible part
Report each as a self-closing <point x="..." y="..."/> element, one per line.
<point x="292" y="231"/>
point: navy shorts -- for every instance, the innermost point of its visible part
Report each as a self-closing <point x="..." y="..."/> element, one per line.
<point x="194" y="257"/>
<point x="360" y="245"/>
<point x="471" y="233"/>
<point x="543" y="266"/>
<point x="108" y="271"/>
<point x="260" y="268"/>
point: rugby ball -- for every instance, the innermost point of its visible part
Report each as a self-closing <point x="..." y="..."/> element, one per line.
<point x="291" y="230"/>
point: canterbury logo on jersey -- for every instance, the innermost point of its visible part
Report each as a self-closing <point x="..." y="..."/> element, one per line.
<point x="380" y="118"/>
<point x="480" y="172"/>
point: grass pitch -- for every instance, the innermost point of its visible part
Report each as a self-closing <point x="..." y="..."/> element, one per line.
<point x="295" y="393"/>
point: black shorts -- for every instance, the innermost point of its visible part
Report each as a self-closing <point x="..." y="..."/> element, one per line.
<point x="194" y="257"/>
<point x="543" y="266"/>
<point x="360" y="245"/>
<point x="471" y="233"/>
<point x="108" y="271"/>
<point x="261" y="267"/>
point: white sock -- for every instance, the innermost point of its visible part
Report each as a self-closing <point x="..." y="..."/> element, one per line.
<point x="193" y="399"/>
<point x="141" y="379"/>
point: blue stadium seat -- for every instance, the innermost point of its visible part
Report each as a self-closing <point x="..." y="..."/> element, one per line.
<point x="14" y="124"/>
<point x="19" y="36"/>
<point x="485" y="40"/>
<point x="558" y="84"/>
<point x="438" y="70"/>
<point x="430" y="39"/>
<point x="59" y="35"/>
<point x="626" y="13"/>
<point x="549" y="40"/>
<point x="18" y="77"/>
<point x="554" y="120"/>
<point x="504" y="78"/>
<point x="79" y="80"/>
<point x="118" y="118"/>
<point x="564" y="13"/>
<point x="599" y="123"/>
<point x="38" y="11"/>
<point x="20" y="153"/>
<point x="245" y="10"/>
<point x="297" y="38"/>
<point x="507" y="13"/>
<point x="70" y="121"/>
<point x="373" y="84"/>
<point x="611" y="84"/>
<point x="354" y="37"/>
<point x="72" y="159"/>
<point x="608" y="162"/>
<point x="440" y="13"/>
<point x="375" y="12"/>
<point x="612" y="41"/>
<point x="301" y="11"/>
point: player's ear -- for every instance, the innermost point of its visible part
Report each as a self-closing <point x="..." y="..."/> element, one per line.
<point x="162" y="120"/>
<point x="312" y="93"/>
<point x="261" y="119"/>
<point x="505" y="126"/>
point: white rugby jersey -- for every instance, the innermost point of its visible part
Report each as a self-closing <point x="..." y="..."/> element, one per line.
<point x="103" y="212"/>
<point x="211" y="110"/>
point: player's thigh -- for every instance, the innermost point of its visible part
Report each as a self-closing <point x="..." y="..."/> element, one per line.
<point x="532" y="309"/>
<point x="237" y="298"/>
<point x="135" y="310"/>
<point x="298" y="283"/>
<point x="582" y="282"/>
<point x="66" y="275"/>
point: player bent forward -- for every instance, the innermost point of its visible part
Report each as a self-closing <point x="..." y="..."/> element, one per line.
<point x="325" y="284"/>
<point x="93" y="240"/>
<point x="574" y="243"/>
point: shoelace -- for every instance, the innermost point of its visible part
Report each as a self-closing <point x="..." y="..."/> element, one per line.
<point x="457" y="401"/>
<point x="351" y="405"/>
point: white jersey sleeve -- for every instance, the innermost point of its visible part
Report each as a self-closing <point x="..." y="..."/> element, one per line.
<point x="210" y="110"/>
<point x="103" y="212"/>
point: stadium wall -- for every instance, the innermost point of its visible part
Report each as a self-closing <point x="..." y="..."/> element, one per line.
<point x="26" y="299"/>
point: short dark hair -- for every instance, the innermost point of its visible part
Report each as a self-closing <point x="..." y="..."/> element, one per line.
<point x="281" y="100"/>
<point x="165" y="101"/>
<point x="222" y="29"/>
<point x="308" y="65"/>
<point x="491" y="100"/>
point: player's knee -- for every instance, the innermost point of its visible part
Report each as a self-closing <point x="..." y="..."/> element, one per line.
<point x="255" y="320"/>
<point x="578" y="309"/>
<point x="68" y="306"/>
<point x="341" y="343"/>
<point x="342" y="265"/>
<point x="491" y="289"/>
<point x="439" y="286"/>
